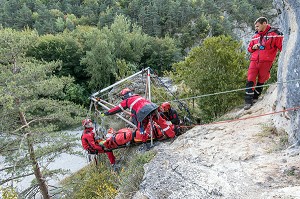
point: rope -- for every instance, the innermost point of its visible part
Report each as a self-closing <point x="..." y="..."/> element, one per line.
<point x="182" y="105"/>
<point x="157" y="93"/>
<point x="230" y="91"/>
<point x="246" y="118"/>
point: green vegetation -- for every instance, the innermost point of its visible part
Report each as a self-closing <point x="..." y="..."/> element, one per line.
<point x="101" y="182"/>
<point x="215" y="66"/>
<point x="278" y="137"/>
<point x="132" y="174"/>
<point x="100" y="42"/>
<point x="33" y="111"/>
<point x="92" y="182"/>
<point x="188" y="21"/>
<point x="8" y="193"/>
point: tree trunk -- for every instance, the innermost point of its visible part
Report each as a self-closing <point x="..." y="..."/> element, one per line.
<point x="36" y="168"/>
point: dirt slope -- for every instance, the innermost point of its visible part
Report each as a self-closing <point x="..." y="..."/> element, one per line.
<point x="241" y="159"/>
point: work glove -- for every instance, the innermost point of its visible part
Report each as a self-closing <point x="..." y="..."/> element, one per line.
<point x="98" y="98"/>
<point x="169" y="122"/>
<point x="104" y="114"/>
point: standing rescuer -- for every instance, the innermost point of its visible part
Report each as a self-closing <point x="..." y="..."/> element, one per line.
<point x="263" y="48"/>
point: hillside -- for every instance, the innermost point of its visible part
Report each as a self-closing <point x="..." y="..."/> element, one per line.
<point x="241" y="159"/>
<point x="245" y="159"/>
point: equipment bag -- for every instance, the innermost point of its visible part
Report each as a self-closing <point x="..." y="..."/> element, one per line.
<point x="122" y="137"/>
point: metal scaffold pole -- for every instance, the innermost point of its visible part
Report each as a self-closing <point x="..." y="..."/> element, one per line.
<point x="121" y="117"/>
<point x="119" y="82"/>
<point x="149" y="88"/>
<point x="149" y="98"/>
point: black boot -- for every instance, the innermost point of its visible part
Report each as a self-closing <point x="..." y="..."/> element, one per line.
<point x="257" y="91"/>
<point x="249" y="95"/>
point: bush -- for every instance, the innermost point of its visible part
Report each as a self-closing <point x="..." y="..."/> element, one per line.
<point x="217" y="65"/>
<point x="132" y="174"/>
<point x="8" y="193"/>
<point x="92" y="182"/>
<point x="101" y="182"/>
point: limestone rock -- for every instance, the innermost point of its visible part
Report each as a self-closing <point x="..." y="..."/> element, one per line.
<point x="288" y="67"/>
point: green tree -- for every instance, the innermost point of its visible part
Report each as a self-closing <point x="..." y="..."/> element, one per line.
<point x="109" y="46"/>
<point x="44" y="20"/>
<point x="100" y="59"/>
<point x="217" y="65"/>
<point x="65" y="48"/>
<point x="8" y="11"/>
<point x="195" y="32"/>
<point x="61" y="47"/>
<point x="161" y="53"/>
<point x="32" y="112"/>
<point x="24" y="17"/>
<point x="161" y="17"/>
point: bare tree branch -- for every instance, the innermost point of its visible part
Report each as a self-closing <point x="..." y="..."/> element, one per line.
<point x="27" y="125"/>
<point x="14" y="178"/>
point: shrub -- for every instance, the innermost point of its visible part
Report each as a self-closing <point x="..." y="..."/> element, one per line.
<point x="217" y="65"/>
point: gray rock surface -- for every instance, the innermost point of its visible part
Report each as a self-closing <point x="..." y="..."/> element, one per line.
<point x="238" y="160"/>
<point x="289" y="68"/>
<point x="229" y="160"/>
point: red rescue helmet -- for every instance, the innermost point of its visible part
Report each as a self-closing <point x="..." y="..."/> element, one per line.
<point x="87" y="123"/>
<point x="110" y="132"/>
<point x="125" y="93"/>
<point x="166" y="106"/>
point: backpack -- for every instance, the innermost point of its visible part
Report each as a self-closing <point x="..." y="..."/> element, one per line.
<point x="122" y="137"/>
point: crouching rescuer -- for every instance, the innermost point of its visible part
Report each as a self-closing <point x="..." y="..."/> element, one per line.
<point x="171" y="115"/>
<point x="142" y="111"/>
<point x="89" y="144"/>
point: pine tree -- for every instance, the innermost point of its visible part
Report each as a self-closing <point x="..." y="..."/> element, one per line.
<point x="32" y="112"/>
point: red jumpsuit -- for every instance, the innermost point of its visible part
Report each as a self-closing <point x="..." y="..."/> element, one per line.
<point x="88" y="143"/>
<point x="141" y="109"/>
<point x="172" y="116"/>
<point x="261" y="60"/>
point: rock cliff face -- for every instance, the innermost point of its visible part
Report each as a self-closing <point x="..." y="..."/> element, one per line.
<point x="289" y="68"/>
<point x="232" y="160"/>
<point x="241" y="159"/>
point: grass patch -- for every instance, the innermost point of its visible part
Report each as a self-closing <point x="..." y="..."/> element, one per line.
<point x="278" y="137"/>
<point x="132" y="174"/>
<point x="268" y="131"/>
<point x="102" y="182"/>
<point x="91" y="182"/>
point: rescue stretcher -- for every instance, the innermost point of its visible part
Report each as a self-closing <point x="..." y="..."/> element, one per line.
<point x="126" y="137"/>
